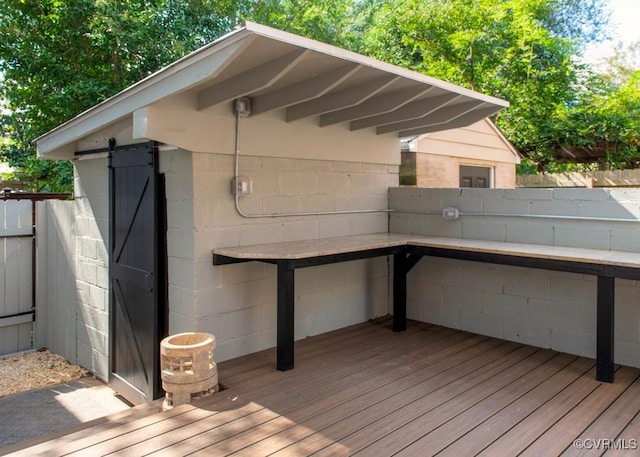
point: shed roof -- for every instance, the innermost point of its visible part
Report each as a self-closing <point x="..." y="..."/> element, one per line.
<point x="306" y="78"/>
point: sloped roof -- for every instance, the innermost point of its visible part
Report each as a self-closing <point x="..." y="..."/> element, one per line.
<point x="306" y="78"/>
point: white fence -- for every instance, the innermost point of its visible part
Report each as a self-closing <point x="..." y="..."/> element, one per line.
<point x="16" y="276"/>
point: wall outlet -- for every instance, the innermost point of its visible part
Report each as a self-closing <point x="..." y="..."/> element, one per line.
<point x="241" y="186"/>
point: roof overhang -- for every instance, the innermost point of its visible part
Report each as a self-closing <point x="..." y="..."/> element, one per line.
<point x="303" y="77"/>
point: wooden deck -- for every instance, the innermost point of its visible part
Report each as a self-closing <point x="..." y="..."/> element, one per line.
<point x="368" y="391"/>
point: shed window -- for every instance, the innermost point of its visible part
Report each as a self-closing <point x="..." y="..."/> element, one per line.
<point x="471" y="176"/>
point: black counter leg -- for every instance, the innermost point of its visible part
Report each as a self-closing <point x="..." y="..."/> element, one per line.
<point x="605" y="332"/>
<point x="399" y="292"/>
<point x="285" y="324"/>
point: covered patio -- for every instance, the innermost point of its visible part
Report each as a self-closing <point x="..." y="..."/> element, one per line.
<point x="366" y="390"/>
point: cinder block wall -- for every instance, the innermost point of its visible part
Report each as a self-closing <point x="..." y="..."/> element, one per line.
<point x="238" y="302"/>
<point x="92" y="277"/>
<point x="547" y="309"/>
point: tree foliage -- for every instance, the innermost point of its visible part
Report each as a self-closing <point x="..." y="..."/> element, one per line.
<point x="60" y="57"/>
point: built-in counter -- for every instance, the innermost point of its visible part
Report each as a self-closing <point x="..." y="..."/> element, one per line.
<point x="408" y="249"/>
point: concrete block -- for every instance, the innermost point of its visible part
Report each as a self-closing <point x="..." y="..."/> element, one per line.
<point x="282" y="205"/>
<point x="528" y="194"/>
<point x="179" y="322"/>
<point x="333" y="183"/>
<point x="98" y="298"/>
<point x="581" y="236"/>
<point x="506" y="306"/>
<point x="238" y="323"/>
<point x="406" y="192"/>
<point x="91" y="337"/>
<point x="627" y="353"/>
<point x="181" y="273"/>
<point x="361" y="202"/>
<point x="89" y="247"/>
<point x="411" y="203"/>
<point x="374" y="168"/>
<point x="460" y="298"/>
<point x="441" y="271"/>
<point x="262" y="233"/>
<point x="573" y="289"/>
<point x="415" y="310"/>
<point x="529" y="232"/>
<point x="525" y="282"/>
<point x="298" y="183"/>
<point x="481" y="323"/>
<point x="587" y="319"/>
<point x="526" y="332"/>
<point x="347" y="166"/>
<point x="301" y="230"/>
<point x="87" y="272"/>
<point x="279" y="164"/>
<point x="482" y="229"/>
<point x="386" y="181"/>
<point x="625" y="239"/>
<point x="315" y="165"/>
<point x="481" y="277"/>
<point x="102" y="277"/>
<point x="184" y="300"/>
<point x="247" y="164"/>
<point x="609" y="209"/>
<point x="92" y="360"/>
<point x="573" y="343"/>
<point x="498" y="204"/>
<point x="241" y="272"/>
<point x="577" y="194"/>
<point x="180" y="243"/>
<point x="554" y="208"/>
<point x="627" y="322"/>
<point x="265" y="184"/>
<point x="216" y="238"/>
<point x="363" y="184"/>
<point x="625" y="194"/>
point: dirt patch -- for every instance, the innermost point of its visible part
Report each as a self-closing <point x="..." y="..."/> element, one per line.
<point x="35" y="370"/>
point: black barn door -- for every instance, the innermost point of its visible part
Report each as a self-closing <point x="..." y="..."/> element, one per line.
<point x="137" y="271"/>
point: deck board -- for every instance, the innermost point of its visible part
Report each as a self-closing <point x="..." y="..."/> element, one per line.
<point x="368" y="391"/>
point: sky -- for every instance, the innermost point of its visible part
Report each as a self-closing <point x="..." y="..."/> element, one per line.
<point x="625" y="21"/>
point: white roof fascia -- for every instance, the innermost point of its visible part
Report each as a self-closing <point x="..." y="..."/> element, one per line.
<point x="203" y="65"/>
<point x="182" y="74"/>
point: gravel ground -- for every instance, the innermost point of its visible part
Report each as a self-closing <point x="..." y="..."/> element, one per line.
<point x="35" y="370"/>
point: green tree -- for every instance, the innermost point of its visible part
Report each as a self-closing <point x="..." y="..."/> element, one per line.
<point x="60" y="57"/>
<point x="521" y="50"/>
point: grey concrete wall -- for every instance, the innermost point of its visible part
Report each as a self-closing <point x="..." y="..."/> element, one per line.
<point x="538" y="307"/>
<point x="91" y="264"/>
<point x="238" y="302"/>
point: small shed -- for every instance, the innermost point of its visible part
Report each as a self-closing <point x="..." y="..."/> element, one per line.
<point x="477" y="155"/>
<point x="261" y="136"/>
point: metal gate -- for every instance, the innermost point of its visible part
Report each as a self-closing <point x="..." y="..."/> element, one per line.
<point x="137" y="271"/>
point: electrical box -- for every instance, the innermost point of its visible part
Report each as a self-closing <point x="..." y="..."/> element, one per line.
<point x="451" y="213"/>
<point x="242" y="107"/>
<point x="241" y="186"/>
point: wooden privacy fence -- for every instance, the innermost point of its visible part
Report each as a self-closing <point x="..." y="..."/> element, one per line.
<point x="17" y="268"/>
